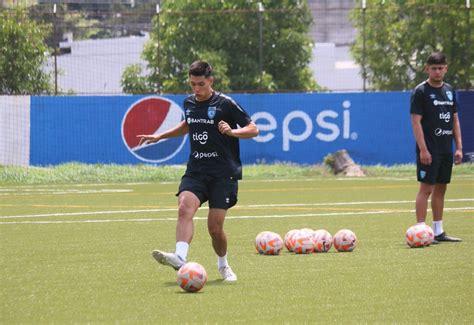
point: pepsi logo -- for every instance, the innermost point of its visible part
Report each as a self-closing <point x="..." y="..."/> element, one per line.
<point x="152" y="115"/>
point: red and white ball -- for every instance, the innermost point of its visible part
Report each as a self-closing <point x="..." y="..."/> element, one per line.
<point x="322" y="241"/>
<point x="345" y="240"/>
<point x="304" y="242"/>
<point x="268" y="243"/>
<point x="419" y="236"/>
<point x="289" y="239"/>
<point x="192" y="277"/>
<point x="309" y="231"/>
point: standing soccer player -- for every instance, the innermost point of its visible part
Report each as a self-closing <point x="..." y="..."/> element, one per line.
<point x="434" y="120"/>
<point x="213" y="168"/>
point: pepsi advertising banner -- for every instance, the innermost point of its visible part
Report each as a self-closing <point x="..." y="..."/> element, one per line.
<point x="374" y="128"/>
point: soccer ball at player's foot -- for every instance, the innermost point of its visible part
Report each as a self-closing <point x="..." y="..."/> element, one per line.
<point x="419" y="236"/>
<point x="192" y="277"/>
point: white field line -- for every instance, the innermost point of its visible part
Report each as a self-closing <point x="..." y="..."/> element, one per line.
<point x="228" y="217"/>
<point x="336" y="214"/>
<point x="390" y="178"/>
<point x="250" y="206"/>
<point x="63" y="192"/>
<point x="86" y="213"/>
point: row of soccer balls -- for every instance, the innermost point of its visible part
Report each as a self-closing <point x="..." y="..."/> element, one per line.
<point x="305" y="241"/>
<point x="192" y="276"/>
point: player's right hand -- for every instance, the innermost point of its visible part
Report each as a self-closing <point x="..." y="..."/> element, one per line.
<point x="425" y="157"/>
<point x="147" y="139"/>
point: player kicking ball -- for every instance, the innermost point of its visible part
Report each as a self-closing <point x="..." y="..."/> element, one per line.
<point x="435" y="123"/>
<point x="213" y="168"/>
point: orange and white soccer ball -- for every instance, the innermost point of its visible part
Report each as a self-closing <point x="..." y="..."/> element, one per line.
<point x="268" y="243"/>
<point x="309" y="231"/>
<point x="419" y="236"/>
<point x="289" y="239"/>
<point x="322" y="241"/>
<point x="304" y="242"/>
<point x="192" y="277"/>
<point x="345" y="240"/>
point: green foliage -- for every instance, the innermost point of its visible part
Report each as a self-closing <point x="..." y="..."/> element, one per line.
<point x="23" y="54"/>
<point x="226" y="33"/>
<point x="77" y="173"/>
<point x="400" y="35"/>
<point x="93" y="20"/>
<point x="133" y="80"/>
<point x="329" y="160"/>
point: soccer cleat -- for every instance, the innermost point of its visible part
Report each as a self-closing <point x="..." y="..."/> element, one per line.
<point x="444" y="237"/>
<point x="434" y="242"/>
<point x="227" y="274"/>
<point x="168" y="259"/>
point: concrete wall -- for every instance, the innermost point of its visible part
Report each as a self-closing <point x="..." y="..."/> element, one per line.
<point x="14" y="130"/>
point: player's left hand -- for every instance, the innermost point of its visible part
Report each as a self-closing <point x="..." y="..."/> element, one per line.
<point x="225" y="128"/>
<point x="458" y="157"/>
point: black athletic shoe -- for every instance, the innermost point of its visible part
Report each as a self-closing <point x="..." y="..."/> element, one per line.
<point x="444" y="237"/>
<point x="434" y="242"/>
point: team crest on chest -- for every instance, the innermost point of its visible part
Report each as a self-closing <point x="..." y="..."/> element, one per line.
<point x="211" y="112"/>
<point x="450" y="95"/>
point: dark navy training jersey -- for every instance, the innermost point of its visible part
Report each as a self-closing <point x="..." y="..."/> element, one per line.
<point x="437" y="107"/>
<point x="214" y="153"/>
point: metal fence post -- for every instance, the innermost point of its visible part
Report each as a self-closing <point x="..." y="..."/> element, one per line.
<point x="55" y="52"/>
<point x="468" y="84"/>
<point x="157" y="71"/>
<point x="260" y="41"/>
<point x="364" y="72"/>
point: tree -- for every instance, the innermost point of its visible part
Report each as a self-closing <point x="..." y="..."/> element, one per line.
<point x="23" y="53"/>
<point x="400" y="35"/>
<point x="227" y="34"/>
<point x="93" y="20"/>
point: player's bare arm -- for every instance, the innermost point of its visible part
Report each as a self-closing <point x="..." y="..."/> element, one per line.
<point x="179" y="130"/>
<point x="425" y="156"/>
<point x="457" y="139"/>
<point x="248" y="131"/>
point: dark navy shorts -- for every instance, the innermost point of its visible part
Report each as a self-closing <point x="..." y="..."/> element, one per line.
<point x="220" y="192"/>
<point x="439" y="172"/>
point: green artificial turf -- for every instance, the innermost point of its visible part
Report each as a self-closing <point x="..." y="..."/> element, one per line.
<point x="81" y="254"/>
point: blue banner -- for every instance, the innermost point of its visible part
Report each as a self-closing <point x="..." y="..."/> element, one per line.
<point x="374" y="128"/>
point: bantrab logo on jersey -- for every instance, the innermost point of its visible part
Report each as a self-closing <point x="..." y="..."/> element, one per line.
<point x="152" y="115"/>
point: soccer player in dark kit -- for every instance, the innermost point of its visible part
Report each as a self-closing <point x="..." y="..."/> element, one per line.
<point x="435" y="122"/>
<point x="214" y="166"/>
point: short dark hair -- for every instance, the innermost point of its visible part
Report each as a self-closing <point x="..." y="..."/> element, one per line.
<point x="200" y="68"/>
<point x="436" y="58"/>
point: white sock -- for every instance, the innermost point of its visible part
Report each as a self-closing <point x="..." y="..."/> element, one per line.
<point x="438" y="227"/>
<point x="222" y="261"/>
<point x="182" y="249"/>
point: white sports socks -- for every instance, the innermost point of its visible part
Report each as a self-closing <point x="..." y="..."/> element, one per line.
<point x="438" y="227"/>
<point x="222" y="261"/>
<point x="182" y="249"/>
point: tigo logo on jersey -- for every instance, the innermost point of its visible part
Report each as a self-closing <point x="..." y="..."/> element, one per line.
<point x="152" y="115"/>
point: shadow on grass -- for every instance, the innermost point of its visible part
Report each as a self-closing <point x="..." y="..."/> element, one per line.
<point x="216" y="282"/>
